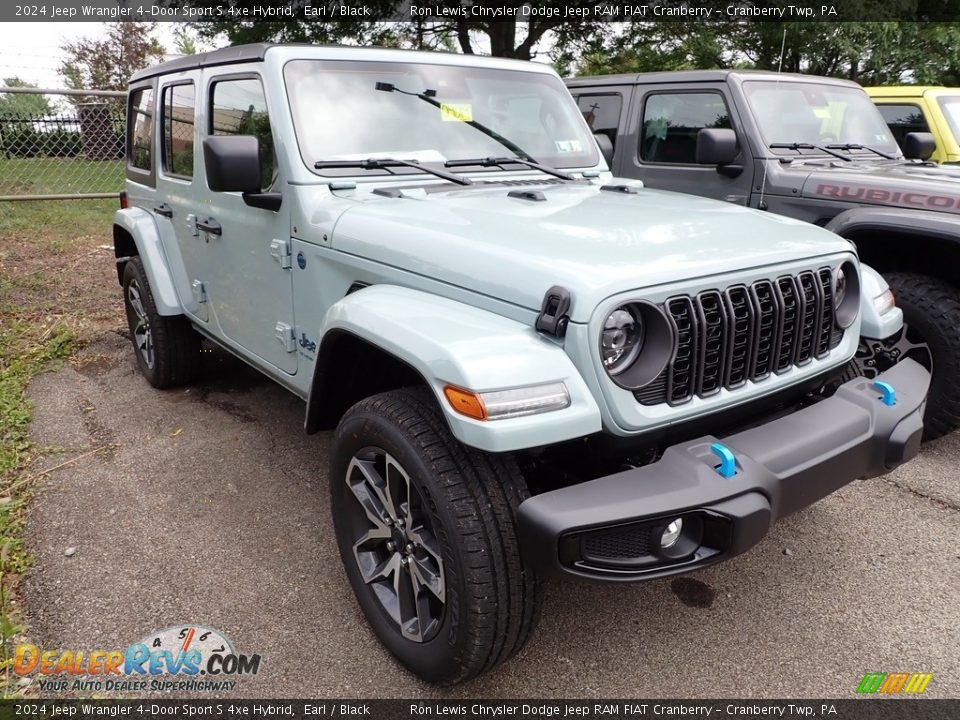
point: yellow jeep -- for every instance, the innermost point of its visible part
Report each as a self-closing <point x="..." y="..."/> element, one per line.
<point x="918" y="108"/>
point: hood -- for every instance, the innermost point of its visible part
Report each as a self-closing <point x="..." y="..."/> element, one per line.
<point x="595" y="243"/>
<point x="890" y="184"/>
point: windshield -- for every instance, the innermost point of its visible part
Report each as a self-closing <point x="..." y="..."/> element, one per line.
<point x="817" y="114"/>
<point x="340" y="114"/>
<point x="950" y="104"/>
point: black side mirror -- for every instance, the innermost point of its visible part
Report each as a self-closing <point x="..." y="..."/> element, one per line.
<point x="232" y="163"/>
<point x="716" y="146"/>
<point x="918" y="145"/>
<point x="606" y="147"/>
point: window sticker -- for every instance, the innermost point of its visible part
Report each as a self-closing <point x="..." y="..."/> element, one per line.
<point x="568" y="146"/>
<point x="456" y="112"/>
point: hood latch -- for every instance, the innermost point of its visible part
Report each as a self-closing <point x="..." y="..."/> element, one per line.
<point x="553" y="317"/>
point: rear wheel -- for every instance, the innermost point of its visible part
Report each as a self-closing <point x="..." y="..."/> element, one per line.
<point x="931" y="313"/>
<point x="425" y="527"/>
<point x="167" y="347"/>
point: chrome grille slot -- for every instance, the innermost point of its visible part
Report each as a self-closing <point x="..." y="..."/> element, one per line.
<point x="725" y="338"/>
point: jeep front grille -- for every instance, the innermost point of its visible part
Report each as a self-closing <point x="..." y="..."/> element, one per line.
<point x="726" y="337"/>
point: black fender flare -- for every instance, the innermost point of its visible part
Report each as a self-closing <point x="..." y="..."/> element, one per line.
<point x="938" y="225"/>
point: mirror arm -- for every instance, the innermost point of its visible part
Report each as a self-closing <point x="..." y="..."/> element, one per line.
<point x="730" y="170"/>
<point x="264" y="200"/>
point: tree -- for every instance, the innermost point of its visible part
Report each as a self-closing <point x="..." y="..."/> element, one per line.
<point x="184" y="42"/>
<point x="22" y="106"/>
<point x="107" y="63"/>
<point x="518" y="37"/>
<point x="867" y="52"/>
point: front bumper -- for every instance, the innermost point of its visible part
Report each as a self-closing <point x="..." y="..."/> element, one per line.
<point x="610" y="528"/>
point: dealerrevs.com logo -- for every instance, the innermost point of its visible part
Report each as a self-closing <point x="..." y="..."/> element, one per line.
<point x="182" y="658"/>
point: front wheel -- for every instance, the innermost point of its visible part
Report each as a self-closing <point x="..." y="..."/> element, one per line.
<point x="425" y="528"/>
<point x="931" y="313"/>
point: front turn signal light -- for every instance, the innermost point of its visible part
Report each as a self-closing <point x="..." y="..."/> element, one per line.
<point x="511" y="403"/>
<point x="465" y="402"/>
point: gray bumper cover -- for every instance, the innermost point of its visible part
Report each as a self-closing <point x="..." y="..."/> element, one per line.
<point x="781" y="466"/>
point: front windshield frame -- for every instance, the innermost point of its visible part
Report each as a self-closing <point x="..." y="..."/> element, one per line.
<point x="952" y="115"/>
<point x="881" y="137"/>
<point x="587" y="158"/>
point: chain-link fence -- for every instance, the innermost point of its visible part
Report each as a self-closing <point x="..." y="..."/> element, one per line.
<point x="60" y="144"/>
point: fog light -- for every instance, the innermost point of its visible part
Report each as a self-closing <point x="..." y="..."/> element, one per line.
<point x="671" y="534"/>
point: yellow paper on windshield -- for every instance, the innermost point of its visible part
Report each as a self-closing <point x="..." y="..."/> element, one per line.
<point x="456" y="112"/>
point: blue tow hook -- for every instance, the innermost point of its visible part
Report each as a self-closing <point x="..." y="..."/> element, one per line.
<point x="887" y="394"/>
<point x="728" y="463"/>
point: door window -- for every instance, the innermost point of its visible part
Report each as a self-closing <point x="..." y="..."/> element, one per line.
<point x="671" y="122"/>
<point x="903" y="119"/>
<point x="602" y="113"/>
<point x="178" y="114"/>
<point x="140" y="129"/>
<point x="239" y="107"/>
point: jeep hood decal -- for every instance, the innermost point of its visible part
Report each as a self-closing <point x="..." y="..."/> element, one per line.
<point x="592" y="242"/>
<point x="891" y="185"/>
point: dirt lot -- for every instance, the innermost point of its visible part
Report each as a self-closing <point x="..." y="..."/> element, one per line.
<point x="210" y="506"/>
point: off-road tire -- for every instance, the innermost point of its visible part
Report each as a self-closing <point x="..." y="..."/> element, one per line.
<point x="493" y="601"/>
<point x="175" y="344"/>
<point x="931" y="308"/>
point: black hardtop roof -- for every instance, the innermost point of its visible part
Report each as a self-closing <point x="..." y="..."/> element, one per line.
<point x="692" y="76"/>
<point x="223" y="56"/>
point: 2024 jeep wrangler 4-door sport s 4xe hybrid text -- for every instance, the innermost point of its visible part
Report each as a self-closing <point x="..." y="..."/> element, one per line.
<point x="530" y="367"/>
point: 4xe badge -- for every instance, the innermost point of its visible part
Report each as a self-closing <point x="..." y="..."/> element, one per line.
<point x="180" y="658"/>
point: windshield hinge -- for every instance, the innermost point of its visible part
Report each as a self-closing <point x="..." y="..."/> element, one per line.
<point x="553" y="317"/>
<point x="280" y="250"/>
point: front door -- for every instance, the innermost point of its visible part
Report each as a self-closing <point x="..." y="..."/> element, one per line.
<point x="236" y="253"/>
<point x="663" y="152"/>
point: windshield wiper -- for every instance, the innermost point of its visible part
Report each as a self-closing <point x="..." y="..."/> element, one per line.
<point x="808" y="146"/>
<point x="430" y="96"/>
<point x="858" y="146"/>
<point x="501" y="161"/>
<point x="387" y="163"/>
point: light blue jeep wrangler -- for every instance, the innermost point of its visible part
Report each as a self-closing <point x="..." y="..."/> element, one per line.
<point x="529" y="366"/>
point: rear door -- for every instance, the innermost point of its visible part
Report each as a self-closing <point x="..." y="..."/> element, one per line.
<point x="661" y="149"/>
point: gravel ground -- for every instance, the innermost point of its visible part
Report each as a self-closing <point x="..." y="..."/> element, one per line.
<point x="209" y="506"/>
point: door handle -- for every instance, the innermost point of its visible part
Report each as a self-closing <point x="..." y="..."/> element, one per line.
<point x="164" y="209"/>
<point x="210" y="225"/>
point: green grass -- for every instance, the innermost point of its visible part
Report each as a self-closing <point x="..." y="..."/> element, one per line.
<point x="47" y="176"/>
<point x="48" y="252"/>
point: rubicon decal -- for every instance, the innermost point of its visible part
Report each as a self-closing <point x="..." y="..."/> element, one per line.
<point x="861" y="193"/>
<point x="153" y="663"/>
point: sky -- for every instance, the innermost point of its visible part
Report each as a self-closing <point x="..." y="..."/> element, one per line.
<point x="31" y="51"/>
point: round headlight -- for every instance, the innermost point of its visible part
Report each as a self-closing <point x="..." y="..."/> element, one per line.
<point x="841" y="291"/>
<point x="621" y="339"/>
<point x="846" y="295"/>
